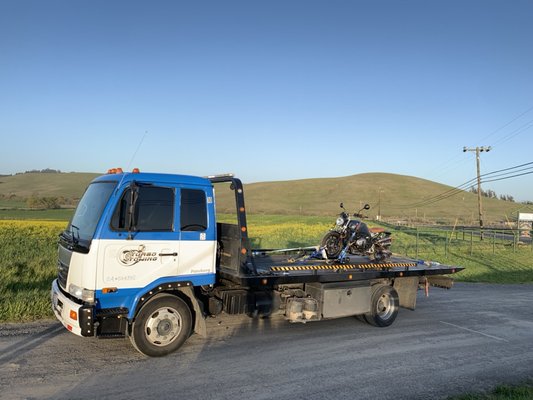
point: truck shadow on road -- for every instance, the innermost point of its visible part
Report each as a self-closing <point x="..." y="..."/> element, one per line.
<point x="30" y="342"/>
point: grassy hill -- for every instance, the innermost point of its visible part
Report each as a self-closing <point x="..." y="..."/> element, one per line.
<point x="71" y="185"/>
<point x="396" y="196"/>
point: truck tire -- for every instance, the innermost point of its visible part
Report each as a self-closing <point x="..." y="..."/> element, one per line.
<point x="332" y="244"/>
<point x="161" y="326"/>
<point x="384" y="306"/>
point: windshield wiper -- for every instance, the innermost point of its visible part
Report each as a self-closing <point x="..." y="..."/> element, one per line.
<point x="75" y="239"/>
<point x="71" y="236"/>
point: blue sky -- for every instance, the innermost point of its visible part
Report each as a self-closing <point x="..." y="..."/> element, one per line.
<point x="271" y="90"/>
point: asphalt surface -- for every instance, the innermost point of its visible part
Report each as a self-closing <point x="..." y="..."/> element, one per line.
<point x="470" y="338"/>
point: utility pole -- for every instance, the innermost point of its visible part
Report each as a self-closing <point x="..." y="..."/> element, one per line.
<point x="379" y="205"/>
<point x="480" y="208"/>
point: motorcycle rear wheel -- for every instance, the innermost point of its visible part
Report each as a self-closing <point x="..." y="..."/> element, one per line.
<point x="332" y="244"/>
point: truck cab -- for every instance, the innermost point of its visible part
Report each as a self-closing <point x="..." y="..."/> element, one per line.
<point x="134" y="235"/>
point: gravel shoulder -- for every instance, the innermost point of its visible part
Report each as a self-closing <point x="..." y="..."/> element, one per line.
<point x="470" y="338"/>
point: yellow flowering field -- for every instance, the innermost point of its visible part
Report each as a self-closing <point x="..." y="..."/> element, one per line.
<point x="287" y="234"/>
<point x="33" y="227"/>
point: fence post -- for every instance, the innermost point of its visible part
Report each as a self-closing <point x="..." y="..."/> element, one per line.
<point x="416" y="245"/>
<point x="471" y="242"/>
<point x="493" y="242"/>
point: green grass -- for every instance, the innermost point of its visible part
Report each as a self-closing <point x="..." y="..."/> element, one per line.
<point x="485" y="261"/>
<point x="523" y="392"/>
<point x="9" y="203"/>
<point x="28" y="259"/>
<point x="62" y="214"/>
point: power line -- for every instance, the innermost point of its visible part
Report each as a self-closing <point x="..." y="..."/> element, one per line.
<point x="508" y="123"/>
<point x="452" y="162"/>
<point x="514" y="171"/>
<point x="432" y="200"/>
<point x="514" y="133"/>
<point x="509" y="177"/>
<point x="508" y="169"/>
<point x="482" y="177"/>
<point x="492" y="177"/>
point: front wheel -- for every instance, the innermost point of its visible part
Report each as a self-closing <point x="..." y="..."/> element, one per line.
<point x="332" y="244"/>
<point x="384" y="306"/>
<point x="161" y="326"/>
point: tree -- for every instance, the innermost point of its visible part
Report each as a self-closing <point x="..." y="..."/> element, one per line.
<point x="48" y="203"/>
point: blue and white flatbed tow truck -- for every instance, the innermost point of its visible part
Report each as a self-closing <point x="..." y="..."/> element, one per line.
<point x="144" y="257"/>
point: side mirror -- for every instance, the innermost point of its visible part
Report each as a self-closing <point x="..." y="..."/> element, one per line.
<point x="341" y="205"/>
<point x="366" y="207"/>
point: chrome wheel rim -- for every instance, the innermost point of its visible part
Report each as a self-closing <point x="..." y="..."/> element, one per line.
<point x="163" y="326"/>
<point x="385" y="307"/>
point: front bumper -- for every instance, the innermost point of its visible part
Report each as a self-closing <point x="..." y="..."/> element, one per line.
<point x="77" y="318"/>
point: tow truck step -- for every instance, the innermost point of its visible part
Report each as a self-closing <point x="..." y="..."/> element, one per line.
<point x="112" y="312"/>
<point x="111" y="335"/>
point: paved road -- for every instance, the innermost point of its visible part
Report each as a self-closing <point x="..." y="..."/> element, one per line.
<point x="466" y="339"/>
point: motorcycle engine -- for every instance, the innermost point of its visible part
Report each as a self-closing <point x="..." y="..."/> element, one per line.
<point x="361" y="243"/>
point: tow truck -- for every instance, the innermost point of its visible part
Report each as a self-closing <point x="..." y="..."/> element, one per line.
<point x="144" y="256"/>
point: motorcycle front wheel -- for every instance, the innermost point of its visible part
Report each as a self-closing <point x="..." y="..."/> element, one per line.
<point x="332" y="244"/>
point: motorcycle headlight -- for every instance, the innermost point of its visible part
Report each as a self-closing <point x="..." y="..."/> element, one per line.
<point x="81" y="293"/>
<point x="340" y="221"/>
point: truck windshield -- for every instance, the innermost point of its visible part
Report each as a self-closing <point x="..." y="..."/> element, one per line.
<point x="81" y="228"/>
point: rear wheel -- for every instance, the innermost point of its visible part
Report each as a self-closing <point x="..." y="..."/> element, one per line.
<point x="161" y="326"/>
<point x="384" y="306"/>
<point x="332" y="244"/>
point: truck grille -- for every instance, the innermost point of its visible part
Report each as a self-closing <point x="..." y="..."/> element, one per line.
<point x="62" y="274"/>
<point x="63" y="264"/>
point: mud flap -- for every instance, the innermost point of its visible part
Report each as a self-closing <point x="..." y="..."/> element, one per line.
<point x="440" y="281"/>
<point x="407" y="288"/>
<point x="200" y="327"/>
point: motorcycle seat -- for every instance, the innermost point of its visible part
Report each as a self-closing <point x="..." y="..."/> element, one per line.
<point x="377" y="230"/>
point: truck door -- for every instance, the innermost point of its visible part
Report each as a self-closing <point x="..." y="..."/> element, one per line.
<point x="197" y="234"/>
<point x="142" y="242"/>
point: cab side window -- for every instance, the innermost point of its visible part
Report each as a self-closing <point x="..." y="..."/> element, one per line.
<point x="193" y="210"/>
<point x="153" y="210"/>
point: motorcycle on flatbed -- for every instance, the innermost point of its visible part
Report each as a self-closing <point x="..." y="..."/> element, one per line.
<point x="352" y="236"/>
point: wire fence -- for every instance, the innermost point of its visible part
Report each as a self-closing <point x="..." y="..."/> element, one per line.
<point x="414" y="241"/>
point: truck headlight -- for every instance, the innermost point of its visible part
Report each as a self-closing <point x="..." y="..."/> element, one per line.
<point x="81" y="293"/>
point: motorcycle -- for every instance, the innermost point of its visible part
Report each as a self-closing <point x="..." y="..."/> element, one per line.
<point x="352" y="236"/>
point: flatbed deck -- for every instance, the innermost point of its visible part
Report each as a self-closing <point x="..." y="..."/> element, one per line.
<point x="274" y="269"/>
<point x="239" y="264"/>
